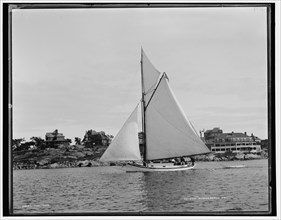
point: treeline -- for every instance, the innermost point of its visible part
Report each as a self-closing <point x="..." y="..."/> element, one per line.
<point x="91" y="139"/>
<point x="58" y="151"/>
<point x="21" y="144"/>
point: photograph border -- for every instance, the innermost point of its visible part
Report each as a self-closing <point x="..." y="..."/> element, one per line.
<point x="7" y="101"/>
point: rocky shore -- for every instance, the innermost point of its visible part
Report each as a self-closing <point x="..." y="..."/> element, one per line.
<point x="229" y="156"/>
<point x="79" y="156"/>
<point x="61" y="157"/>
<point x="86" y="163"/>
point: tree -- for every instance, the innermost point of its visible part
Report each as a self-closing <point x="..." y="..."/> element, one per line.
<point x="20" y="144"/>
<point x="77" y="141"/>
<point x="16" y="143"/>
<point x="39" y="142"/>
<point x="96" y="139"/>
<point x="27" y="145"/>
<point x="68" y="141"/>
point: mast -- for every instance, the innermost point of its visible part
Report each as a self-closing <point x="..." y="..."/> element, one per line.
<point x="143" y="109"/>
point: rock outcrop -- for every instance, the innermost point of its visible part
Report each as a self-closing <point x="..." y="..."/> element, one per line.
<point x="228" y="156"/>
<point x="63" y="156"/>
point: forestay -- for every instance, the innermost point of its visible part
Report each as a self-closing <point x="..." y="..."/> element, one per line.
<point x="125" y="146"/>
<point x="168" y="131"/>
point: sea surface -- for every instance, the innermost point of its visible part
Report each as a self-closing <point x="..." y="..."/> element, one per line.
<point x="210" y="187"/>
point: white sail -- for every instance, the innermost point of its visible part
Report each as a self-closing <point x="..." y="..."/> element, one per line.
<point x="168" y="132"/>
<point x="125" y="146"/>
<point x="150" y="76"/>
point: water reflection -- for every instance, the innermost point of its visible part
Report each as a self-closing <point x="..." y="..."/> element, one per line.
<point x="168" y="191"/>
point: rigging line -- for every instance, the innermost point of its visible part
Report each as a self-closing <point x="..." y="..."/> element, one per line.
<point x="193" y="127"/>
<point x="190" y="155"/>
<point x="194" y="140"/>
<point x="186" y="135"/>
<point x="153" y="87"/>
<point x="155" y="90"/>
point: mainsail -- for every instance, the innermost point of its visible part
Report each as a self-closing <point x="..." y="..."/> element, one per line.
<point x="168" y="131"/>
<point x="125" y="146"/>
<point x="150" y="78"/>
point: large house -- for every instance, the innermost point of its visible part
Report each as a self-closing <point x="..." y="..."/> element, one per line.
<point x="94" y="138"/>
<point x="219" y="142"/>
<point x="55" y="139"/>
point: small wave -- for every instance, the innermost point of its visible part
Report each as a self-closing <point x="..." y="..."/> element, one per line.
<point x="235" y="209"/>
<point x="234" y="167"/>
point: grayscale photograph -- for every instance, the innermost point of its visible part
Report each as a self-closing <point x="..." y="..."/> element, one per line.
<point x="140" y="109"/>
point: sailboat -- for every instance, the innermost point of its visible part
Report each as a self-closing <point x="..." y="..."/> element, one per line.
<point x="167" y="133"/>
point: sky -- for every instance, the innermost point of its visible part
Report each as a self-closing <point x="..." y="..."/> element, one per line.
<point x="79" y="69"/>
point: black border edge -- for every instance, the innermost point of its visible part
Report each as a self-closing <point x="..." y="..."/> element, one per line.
<point x="7" y="176"/>
<point x="103" y="5"/>
<point x="271" y="108"/>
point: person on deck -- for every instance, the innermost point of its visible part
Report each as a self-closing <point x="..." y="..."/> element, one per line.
<point x="182" y="161"/>
<point x="173" y="161"/>
<point x="192" y="161"/>
<point x="178" y="161"/>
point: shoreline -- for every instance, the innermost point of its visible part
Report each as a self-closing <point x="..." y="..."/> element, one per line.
<point x="77" y="156"/>
<point x="105" y="164"/>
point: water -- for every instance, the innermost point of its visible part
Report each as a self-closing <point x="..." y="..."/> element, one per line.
<point x="208" y="188"/>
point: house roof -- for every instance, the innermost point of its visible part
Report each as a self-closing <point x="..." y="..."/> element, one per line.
<point x="257" y="138"/>
<point x="52" y="134"/>
<point x="213" y="130"/>
<point x="231" y="135"/>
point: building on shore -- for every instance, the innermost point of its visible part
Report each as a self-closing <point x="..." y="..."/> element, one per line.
<point x="54" y="139"/>
<point x="95" y="138"/>
<point x="264" y="144"/>
<point x="219" y="142"/>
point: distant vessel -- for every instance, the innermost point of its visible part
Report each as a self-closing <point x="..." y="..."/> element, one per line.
<point x="167" y="131"/>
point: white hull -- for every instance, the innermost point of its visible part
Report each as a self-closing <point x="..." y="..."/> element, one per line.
<point x="156" y="167"/>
